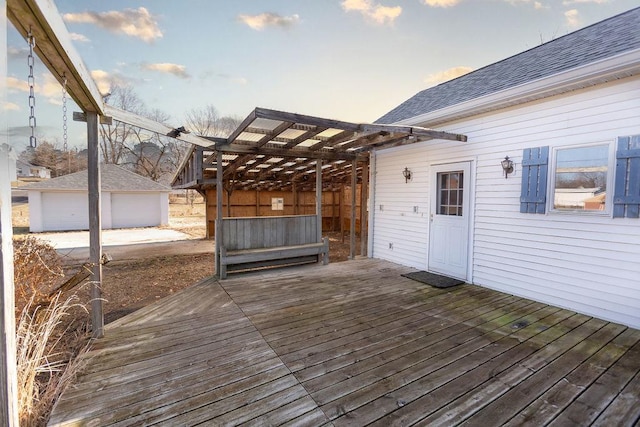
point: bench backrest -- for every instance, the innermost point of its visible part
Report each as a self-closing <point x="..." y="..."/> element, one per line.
<point x="268" y="231"/>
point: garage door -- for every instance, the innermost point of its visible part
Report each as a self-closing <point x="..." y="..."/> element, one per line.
<point x="135" y="210"/>
<point x="65" y="211"/>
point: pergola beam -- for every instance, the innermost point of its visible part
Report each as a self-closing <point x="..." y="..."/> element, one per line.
<point x="55" y="49"/>
<point x="153" y="126"/>
<point x="284" y="152"/>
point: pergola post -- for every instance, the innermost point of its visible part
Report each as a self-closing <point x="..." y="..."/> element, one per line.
<point x="352" y="226"/>
<point x="364" y="194"/>
<point x="319" y="198"/>
<point x="294" y="190"/>
<point x="95" y="225"/>
<point x="219" y="201"/>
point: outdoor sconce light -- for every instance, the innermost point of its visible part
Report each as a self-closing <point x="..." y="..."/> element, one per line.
<point x="407" y="174"/>
<point x="507" y="166"/>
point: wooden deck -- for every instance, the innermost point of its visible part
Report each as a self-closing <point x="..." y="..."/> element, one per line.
<point x="353" y="344"/>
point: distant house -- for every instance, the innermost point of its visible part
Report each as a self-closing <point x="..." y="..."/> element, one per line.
<point x="563" y="226"/>
<point x="27" y="170"/>
<point x="128" y="200"/>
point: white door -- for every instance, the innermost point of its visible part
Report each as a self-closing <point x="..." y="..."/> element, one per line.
<point x="449" y="219"/>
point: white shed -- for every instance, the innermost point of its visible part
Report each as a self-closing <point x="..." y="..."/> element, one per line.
<point x="128" y="200"/>
<point x="567" y="113"/>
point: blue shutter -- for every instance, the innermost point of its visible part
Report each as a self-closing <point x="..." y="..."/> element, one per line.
<point x="533" y="195"/>
<point x="626" y="195"/>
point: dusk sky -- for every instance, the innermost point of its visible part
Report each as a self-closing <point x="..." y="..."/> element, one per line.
<point x="352" y="60"/>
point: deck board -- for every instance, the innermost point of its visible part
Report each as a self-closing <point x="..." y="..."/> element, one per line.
<point x="354" y="344"/>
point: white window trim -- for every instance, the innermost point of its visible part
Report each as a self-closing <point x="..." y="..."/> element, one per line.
<point x="608" y="212"/>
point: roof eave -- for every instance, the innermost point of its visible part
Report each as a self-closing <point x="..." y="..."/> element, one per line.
<point x="619" y="66"/>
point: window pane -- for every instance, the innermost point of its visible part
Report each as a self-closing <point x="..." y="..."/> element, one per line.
<point x="581" y="178"/>
<point x="444" y="197"/>
<point x="444" y="180"/>
<point x="454" y="181"/>
<point x="450" y="193"/>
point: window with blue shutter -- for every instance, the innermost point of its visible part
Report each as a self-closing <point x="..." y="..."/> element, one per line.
<point x="626" y="196"/>
<point x="533" y="195"/>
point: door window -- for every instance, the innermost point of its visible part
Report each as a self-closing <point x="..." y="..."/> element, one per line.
<point x="450" y="188"/>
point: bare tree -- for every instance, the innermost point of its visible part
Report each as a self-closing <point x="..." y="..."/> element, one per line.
<point x="147" y="153"/>
<point x="114" y="137"/>
<point x="207" y="121"/>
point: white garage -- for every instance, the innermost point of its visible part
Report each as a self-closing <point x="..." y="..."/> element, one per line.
<point x="128" y="200"/>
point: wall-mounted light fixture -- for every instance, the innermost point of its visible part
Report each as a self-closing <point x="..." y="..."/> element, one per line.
<point x="507" y="166"/>
<point x="407" y="174"/>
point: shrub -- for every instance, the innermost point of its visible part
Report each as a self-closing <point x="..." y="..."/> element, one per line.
<point x="37" y="269"/>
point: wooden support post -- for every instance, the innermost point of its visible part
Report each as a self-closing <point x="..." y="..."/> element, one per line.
<point x="333" y="210"/>
<point x="197" y="164"/>
<point x="319" y="198"/>
<point x="352" y="225"/>
<point x="8" y="371"/>
<point x="257" y="202"/>
<point x="219" y="193"/>
<point x="341" y="213"/>
<point x="364" y="193"/>
<point x="95" y="225"/>
<point x="294" y="189"/>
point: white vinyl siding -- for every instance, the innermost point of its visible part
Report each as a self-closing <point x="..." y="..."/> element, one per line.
<point x="397" y="224"/>
<point x="586" y="263"/>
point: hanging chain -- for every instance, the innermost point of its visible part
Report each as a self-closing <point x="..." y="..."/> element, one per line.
<point x="64" y="122"/>
<point x="32" y="97"/>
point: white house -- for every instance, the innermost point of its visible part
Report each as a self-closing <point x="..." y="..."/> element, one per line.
<point x="27" y="170"/>
<point x="128" y="200"/>
<point x="567" y="113"/>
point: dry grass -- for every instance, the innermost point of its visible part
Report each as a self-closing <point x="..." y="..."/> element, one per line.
<point x="20" y="218"/>
<point x="46" y="348"/>
<point x="43" y="371"/>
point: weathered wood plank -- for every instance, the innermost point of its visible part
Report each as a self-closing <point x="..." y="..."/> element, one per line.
<point x="553" y="401"/>
<point x="544" y="332"/>
<point x="327" y="346"/>
<point x="234" y="409"/>
<point x="624" y="408"/>
<point x="348" y="395"/>
<point x="335" y="370"/>
<point x="594" y="400"/>
<point x="518" y="397"/>
<point x="310" y="347"/>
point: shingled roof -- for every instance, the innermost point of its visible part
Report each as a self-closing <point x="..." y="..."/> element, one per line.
<point x="602" y="40"/>
<point x="112" y="178"/>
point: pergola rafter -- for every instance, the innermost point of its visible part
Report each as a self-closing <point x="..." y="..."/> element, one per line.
<point x="277" y="149"/>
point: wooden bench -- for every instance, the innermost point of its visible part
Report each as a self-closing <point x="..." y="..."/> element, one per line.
<point x="258" y="242"/>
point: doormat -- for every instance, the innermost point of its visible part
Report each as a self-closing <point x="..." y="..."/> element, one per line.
<point x="434" y="280"/>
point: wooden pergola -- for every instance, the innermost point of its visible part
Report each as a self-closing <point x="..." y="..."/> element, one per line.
<point x="277" y="150"/>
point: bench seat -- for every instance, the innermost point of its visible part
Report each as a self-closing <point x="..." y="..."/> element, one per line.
<point x="245" y="259"/>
